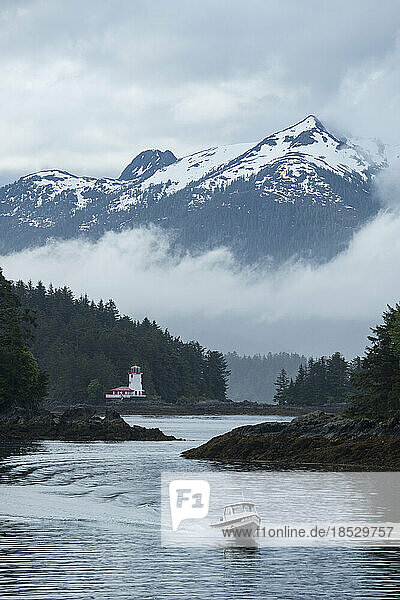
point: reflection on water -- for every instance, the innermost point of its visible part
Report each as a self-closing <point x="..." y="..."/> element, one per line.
<point x="8" y="449"/>
<point x="81" y="521"/>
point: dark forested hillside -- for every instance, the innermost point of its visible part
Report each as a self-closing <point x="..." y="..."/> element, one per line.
<point x="253" y="377"/>
<point x="87" y="348"/>
<point x="21" y="381"/>
<point x="377" y="381"/>
<point x="256" y="224"/>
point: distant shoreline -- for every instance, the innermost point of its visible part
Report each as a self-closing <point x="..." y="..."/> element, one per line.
<point x="217" y="408"/>
<point x="176" y="411"/>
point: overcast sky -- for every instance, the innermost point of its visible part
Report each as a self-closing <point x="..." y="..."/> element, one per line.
<point x="86" y="85"/>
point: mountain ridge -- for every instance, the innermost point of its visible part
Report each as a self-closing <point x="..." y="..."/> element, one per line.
<point x="204" y="197"/>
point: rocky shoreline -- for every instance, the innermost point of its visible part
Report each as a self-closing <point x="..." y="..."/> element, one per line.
<point x="316" y="440"/>
<point x="196" y="408"/>
<point x="78" y="423"/>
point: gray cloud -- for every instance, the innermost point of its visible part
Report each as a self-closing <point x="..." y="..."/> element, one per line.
<point x="315" y="310"/>
<point x="87" y="85"/>
<point x="387" y="185"/>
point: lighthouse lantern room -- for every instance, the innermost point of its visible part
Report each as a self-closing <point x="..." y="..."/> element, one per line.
<point x="134" y="389"/>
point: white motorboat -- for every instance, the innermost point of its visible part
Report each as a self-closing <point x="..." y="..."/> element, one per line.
<point x="239" y="522"/>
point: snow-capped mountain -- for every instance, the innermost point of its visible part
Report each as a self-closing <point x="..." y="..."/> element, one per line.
<point x="299" y="191"/>
<point x="307" y="141"/>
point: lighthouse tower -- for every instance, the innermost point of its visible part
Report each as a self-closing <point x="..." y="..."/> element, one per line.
<point x="135" y="381"/>
<point x="135" y="389"/>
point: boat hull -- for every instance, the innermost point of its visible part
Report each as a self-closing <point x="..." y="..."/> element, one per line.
<point x="239" y="529"/>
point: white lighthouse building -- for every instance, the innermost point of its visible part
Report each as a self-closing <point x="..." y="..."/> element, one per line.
<point x="134" y="389"/>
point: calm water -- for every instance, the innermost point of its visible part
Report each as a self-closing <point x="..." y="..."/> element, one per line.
<point x="81" y="521"/>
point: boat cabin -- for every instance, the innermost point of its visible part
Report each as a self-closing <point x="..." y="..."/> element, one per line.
<point x="238" y="508"/>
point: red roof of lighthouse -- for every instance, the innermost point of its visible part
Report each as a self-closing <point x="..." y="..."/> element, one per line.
<point x="121" y="389"/>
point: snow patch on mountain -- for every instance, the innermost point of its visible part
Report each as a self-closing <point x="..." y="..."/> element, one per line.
<point x="52" y="183"/>
<point x="194" y="167"/>
<point x="307" y="141"/>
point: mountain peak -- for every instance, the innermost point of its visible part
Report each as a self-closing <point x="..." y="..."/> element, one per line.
<point x="311" y="122"/>
<point x="145" y="164"/>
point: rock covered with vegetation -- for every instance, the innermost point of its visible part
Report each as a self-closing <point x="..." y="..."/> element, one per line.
<point x="79" y="423"/>
<point x="314" y="440"/>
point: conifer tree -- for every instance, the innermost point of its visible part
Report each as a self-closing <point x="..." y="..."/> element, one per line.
<point x="282" y="385"/>
<point x="377" y="382"/>
<point x="95" y="391"/>
<point x="21" y="381"/>
<point x="216" y="375"/>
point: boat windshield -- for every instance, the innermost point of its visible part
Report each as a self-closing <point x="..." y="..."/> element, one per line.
<point x="239" y="509"/>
